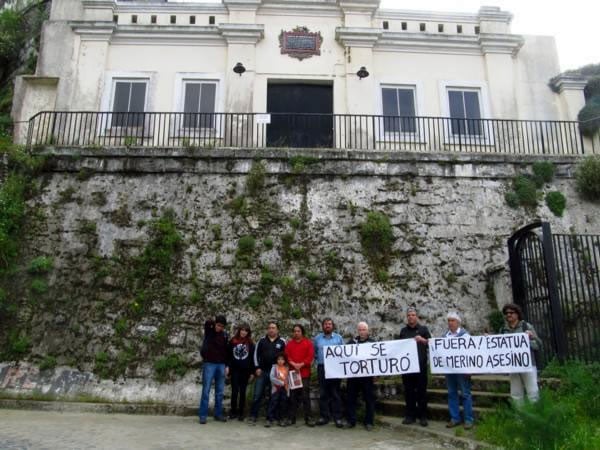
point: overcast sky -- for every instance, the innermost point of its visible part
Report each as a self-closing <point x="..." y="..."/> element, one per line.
<point x="574" y="23"/>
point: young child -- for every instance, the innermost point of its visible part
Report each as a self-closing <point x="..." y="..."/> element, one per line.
<point x="241" y="367"/>
<point x="279" y="391"/>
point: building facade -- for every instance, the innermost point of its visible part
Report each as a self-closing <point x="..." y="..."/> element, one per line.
<point x="293" y="56"/>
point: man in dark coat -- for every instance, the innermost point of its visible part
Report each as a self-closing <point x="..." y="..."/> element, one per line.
<point x="415" y="384"/>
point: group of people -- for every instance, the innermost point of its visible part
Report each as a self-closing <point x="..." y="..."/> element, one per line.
<point x="272" y="361"/>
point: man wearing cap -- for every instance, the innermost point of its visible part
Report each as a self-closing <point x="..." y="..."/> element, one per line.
<point x="214" y="354"/>
<point x="415" y="384"/>
<point x="456" y="382"/>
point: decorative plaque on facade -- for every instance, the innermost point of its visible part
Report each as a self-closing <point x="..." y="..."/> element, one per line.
<point x="300" y="43"/>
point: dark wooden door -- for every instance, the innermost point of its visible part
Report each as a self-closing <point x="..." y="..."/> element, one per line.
<point x="301" y="115"/>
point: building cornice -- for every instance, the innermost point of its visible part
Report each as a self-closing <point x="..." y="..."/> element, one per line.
<point x="167" y="35"/>
<point x="429" y="43"/>
<point x="568" y="83"/>
<point x="494" y="14"/>
<point x="94" y="31"/>
<point x="501" y="43"/>
<point x="426" y="16"/>
<point x="357" y="37"/>
<point x="304" y="8"/>
<point x="99" y="4"/>
<point x="166" y="8"/>
<point x="240" y="33"/>
<point x="359" y="6"/>
<point x="241" y="5"/>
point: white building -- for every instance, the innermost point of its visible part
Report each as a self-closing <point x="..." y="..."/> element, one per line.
<point x="299" y="56"/>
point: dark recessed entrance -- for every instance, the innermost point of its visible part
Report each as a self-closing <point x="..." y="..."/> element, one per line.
<point x="306" y="115"/>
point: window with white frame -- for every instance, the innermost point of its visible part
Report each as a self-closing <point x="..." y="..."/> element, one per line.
<point x="199" y="100"/>
<point x="398" y="102"/>
<point x="465" y="111"/>
<point x="129" y="97"/>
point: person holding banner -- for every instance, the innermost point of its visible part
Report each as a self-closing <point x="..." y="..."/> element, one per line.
<point x="458" y="382"/>
<point x="415" y="384"/>
<point x="523" y="381"/>
<point x="300" y="353"/>
<point x="362" y="384"/>
<point x="330" y="400"/>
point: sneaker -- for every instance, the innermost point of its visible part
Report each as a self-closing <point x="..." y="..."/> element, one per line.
<point x="268" y="424"/>
<point x="309" y="423"/>
<point x="452" y="424"/>
<point x="423" y="422"/>
<point x="282" y="423"/>
<point x="202" y="420"/>
<point x="369" y="427"/>
<point x="221" y="419"/>
<point x="468" y="425"/>
<point x="350" y="425"/>
<point x="322" y="422"/>
<point x="339" y="424"/>
<point x="408" y="421"/>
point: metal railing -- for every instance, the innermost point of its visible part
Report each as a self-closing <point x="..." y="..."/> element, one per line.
<point x="337" y="131"/>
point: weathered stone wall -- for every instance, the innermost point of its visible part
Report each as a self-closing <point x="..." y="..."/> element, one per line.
<point x="115" y="304"/>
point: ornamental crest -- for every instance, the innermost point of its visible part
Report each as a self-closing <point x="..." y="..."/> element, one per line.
<point x="300" y="43"/>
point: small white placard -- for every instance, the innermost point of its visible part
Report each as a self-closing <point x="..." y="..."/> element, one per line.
<point x="263" y="118"/>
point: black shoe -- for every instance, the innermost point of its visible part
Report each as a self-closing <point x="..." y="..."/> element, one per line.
<point x="369" y="427"/>
<point x="408" y="421"/>
<point x="322" y="422"/>
<point x="339" y="424"/>
<point x="309" y="423"/>
<point x="252" y="421"/>
<point x="221" y="419"/>
<point x="241" y="418"/>
<point x="292" y="421"/>
<point x="423" y="422"/>
<point x="268" y="424"/>
<point x="232" y="416"/>
<point x="350" y="425"/>
<point x="202" y="420"/>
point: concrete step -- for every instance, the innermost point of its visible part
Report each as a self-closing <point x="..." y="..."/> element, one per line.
<point x="437" y="411"/>
<point x="488" y="383"/>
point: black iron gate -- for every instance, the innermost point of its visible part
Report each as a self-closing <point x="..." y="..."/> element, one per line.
<point x="555" y="279"/>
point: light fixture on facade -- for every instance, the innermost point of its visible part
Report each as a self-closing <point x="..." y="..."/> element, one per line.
<point x="362" y="73"/>
<point x="239" y="69"/>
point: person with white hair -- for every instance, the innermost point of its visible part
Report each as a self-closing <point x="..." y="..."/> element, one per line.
<point x="366" y="385"/>
<point x="456" y="382"/>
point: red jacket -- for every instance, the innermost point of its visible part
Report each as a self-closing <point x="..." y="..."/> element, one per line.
<point x="298" y="352"/>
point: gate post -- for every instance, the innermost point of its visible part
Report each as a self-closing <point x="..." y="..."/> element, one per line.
<point x="557" y="319"/>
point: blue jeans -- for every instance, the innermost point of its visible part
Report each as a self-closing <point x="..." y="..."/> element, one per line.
<point x="462" y="383"/>
<point x="212" y="371"/>
<point x="262" y="386"/>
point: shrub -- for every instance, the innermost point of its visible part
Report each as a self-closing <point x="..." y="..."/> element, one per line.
<point x="246" y="246"/>
<point x="592" y="88"/>
<point x="166" y="367"/>
<point x="12" y="213"/>
<point x="268" y="243"/>
<point x="256" y="179"/>
<point x="543" y="172"/>
<point x="267" y="279"/>
<point x="556" y="203"/>
<point x="254" y="301"/>
<point x="564" y="418"/>
<point x="49" y="362"/>
<point x="16" y="348"/>
<point x="377" y="237"/>
<point x="587" y="178"/>
<point x="495" y="320"/>
<point x="39" y="286"/>
<point x="512" y="199"/>
<point x="589" y="117"/>
<point x="165" y="242"/>
<point x="40" y="265"/>
<point x="525" y="190"/>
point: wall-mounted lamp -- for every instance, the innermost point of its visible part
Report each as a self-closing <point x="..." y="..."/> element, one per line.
<point x="240" y="69"/>
<point x="362" y="73"/>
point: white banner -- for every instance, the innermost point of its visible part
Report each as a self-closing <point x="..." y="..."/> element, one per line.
<point x="371" y="359"/>
<point x="498" y="353"/>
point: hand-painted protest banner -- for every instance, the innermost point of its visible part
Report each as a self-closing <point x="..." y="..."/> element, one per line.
<point x="371" y="359"/>
<point x="498" y="353"/>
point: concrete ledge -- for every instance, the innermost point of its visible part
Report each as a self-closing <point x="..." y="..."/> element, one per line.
<point x="318" y="162"/>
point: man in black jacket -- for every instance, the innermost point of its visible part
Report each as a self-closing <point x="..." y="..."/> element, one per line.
<point x="362" y="384"/>
<point x="214" y="354"/>
<point x="415" y="384"/>
<point x="265" y="354"/>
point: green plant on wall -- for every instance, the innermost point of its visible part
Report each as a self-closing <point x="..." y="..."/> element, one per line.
<point x="556" y="202"/>
<point x="376" y="238"/>
<point x="255" y="180"/>
<point x="587" y="178"/>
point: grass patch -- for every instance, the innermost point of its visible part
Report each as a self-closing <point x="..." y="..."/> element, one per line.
<point x="587" y="178"/>
<point x="377" y="237"/>
<point x="556" y="203"/>
<point x="40" y="265"/>
<point x="169" y="367"/>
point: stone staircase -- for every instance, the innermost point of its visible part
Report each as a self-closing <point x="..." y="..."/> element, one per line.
<point x="487" y="391"/>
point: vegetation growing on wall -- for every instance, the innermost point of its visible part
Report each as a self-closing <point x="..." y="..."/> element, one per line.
<point x="377" y="237"/>
<point x="587" y="178"/>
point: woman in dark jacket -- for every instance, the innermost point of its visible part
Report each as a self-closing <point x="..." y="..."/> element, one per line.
<point x="241" y="367"/>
